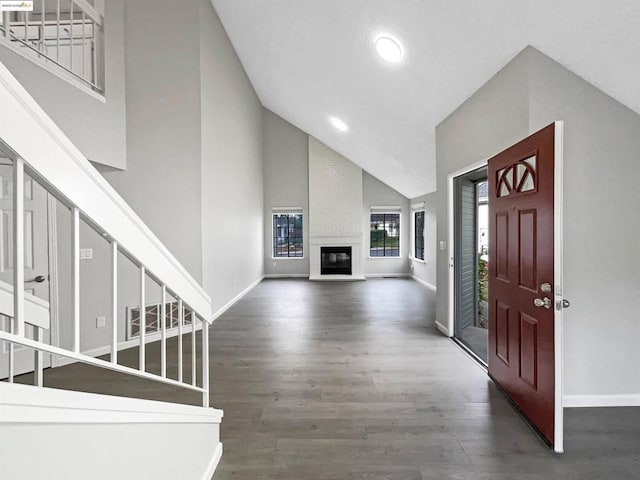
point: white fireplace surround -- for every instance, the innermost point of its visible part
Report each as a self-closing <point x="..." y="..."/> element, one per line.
<point x="357" y="257"/>
<point x="335" y="209"/>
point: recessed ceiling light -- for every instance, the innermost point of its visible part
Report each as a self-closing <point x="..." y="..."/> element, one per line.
<point x="389" y="48"/>
<point x="339" y="124"/>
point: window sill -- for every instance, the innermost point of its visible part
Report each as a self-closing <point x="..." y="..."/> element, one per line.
<point x="418" y="260"/>
<point x="396" y="257"/>
<point x="287" y="258"/>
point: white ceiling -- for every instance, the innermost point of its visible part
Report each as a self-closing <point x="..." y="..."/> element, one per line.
<point x="311" y="59"/>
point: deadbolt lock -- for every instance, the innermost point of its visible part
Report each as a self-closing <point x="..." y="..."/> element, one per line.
<point x="546" y="288"/>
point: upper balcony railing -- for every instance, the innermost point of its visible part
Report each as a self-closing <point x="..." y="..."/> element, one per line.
<point x="56" y="210"/>
<point x="67" y="35"/>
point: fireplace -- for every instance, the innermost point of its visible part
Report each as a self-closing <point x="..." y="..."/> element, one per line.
<point x="335" y="260"/>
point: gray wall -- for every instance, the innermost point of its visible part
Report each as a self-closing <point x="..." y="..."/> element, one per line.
<point x="194" y="147"/>
<point x="162" y="180"/>
<point x="377" y="193"/>
<point x="602" y="140"/>
<point x="601" y="228"/>
<point x="426" y="271"/>
<point x="194" y="172"/>
<point x="97" y="128"/>
<point x="232" y="172"/>
<point x="493" y="118"/>
<point x="95" y="286"/>
<point x="286" y="184"/>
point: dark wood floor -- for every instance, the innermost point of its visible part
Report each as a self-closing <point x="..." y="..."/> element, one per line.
<point x="352" y="381"/>
<point x="329" y="381"/>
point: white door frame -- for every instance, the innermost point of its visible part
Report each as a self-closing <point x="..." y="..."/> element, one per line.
<point x="557" y="268"/>
<point x="448" y="329"/>
<point x="558" y="242"/>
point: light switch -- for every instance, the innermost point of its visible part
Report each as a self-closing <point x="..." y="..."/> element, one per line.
<point x="101" y="322"/>
<point x="86" y="253"/>
<point x="443" y="245"/>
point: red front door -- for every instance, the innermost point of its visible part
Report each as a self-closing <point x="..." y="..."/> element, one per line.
<point x="521" y="276"/>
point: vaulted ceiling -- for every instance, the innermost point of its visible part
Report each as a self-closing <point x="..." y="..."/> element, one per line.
<point x="310" y="60"/>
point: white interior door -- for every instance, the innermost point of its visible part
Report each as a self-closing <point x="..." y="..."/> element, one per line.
<point x="36" y="267"/>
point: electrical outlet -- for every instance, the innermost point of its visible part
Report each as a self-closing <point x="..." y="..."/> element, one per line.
<point x="86" y="253"/>
<point x="274" y="264"/>
<point x="101" y="322"/>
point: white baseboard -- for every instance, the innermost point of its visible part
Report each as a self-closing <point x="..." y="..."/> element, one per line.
<point x="616" y="400"/>
<point x="230" y="303"/>
<point x="386" y="275"/>
<point x="153" y="337"/>
<point x="423" y="283"/>
<point x="442" y="329"/>
<point x="286" y="275"/>
<point x="217" y="455"/>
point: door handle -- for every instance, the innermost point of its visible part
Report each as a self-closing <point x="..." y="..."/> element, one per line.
<point x="37" y="279"/>
<point x="543" y="302"/>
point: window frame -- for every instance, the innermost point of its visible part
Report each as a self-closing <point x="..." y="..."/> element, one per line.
<point x="387" y="211"/>
<point x="289" y="211"/>
<point x="414" y="212"/>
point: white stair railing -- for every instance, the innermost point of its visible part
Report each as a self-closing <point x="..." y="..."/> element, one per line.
<point x="68" y="34"/>
<point x="37" y="149"/>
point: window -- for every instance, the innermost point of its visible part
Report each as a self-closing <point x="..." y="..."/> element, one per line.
<point x="418" y="235"/>
<point x="384" y="234"/>
<point x="287" y="234"/>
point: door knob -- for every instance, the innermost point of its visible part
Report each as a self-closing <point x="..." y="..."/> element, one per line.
<point x="38" y="279"/>
<point x="543" y="302"/>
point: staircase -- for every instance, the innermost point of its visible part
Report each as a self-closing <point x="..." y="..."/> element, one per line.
<point x="54" y="204"/>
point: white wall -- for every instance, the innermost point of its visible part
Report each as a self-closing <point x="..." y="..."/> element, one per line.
<point x="97" y="128"/>
<point x="335" y="206"/>
<point x="601" y="228"/>
<point x="286" y="184"/>
<point x="65" y="435"/>
<point x="601" y="271"/>
<point x="162" y="180"/>
<point x="426" y="271"/>
<point x="377" y="193"/>
<point x="104" y="451"/>
<point x="232" y="171"/>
